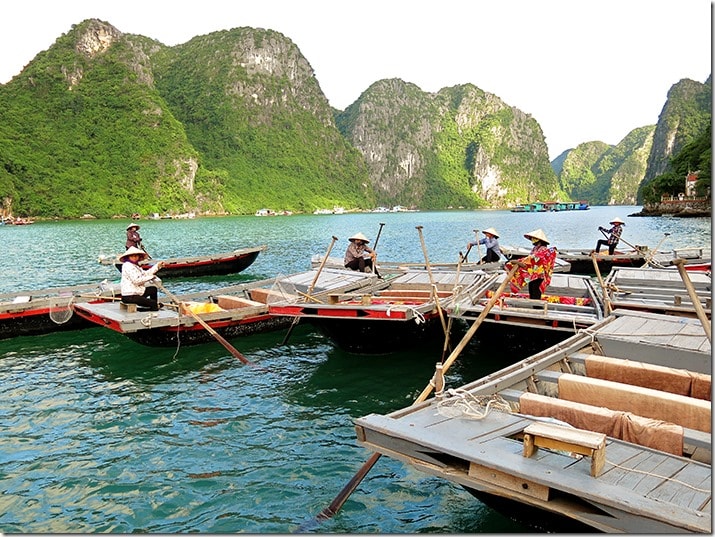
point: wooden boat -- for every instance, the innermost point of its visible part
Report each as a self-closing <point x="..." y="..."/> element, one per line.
<point x="659" y="291"/>
<point x="32" y="313"/>
<point x="405" y="311"/>
<point x="232" y="311"/>
<point x="207" y="265"/>
<point x="697" y="259"/>
<point x="398" y="266"/>
<point x="581" y="261"/>
<point x="570" y="303"/>
<point x="608" y="431"/>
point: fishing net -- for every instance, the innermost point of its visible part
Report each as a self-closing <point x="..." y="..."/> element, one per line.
<point x="285" y="290"/>
<point x="60" y="310"/>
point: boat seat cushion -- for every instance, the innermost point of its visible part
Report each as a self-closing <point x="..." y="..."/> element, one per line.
<point x="656" y="434"/>
<point x="658" y="377"/>
<point x="229" y="302"/>
<point x="685" y="411"/>
<point x="200" y="307"/>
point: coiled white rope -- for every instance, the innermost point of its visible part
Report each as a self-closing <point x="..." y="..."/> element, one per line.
<point x="461" y="403"/>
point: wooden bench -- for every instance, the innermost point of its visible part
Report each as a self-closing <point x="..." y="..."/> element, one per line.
<point x="129" y="308"/>
<point x="557" y="437"/>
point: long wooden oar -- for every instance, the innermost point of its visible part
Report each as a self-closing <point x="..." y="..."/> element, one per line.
<point x="218" y="337"/>
<point x="655" y="250"/>
<point x="374" y="249"/>
<point x="699" y="310"/>
<point x="621" y="239"/>
<point x="431" y="279"/>
<point x="345" y="493"/>
<point x="445" y="348"/>
<point x="479" y="250"/>
<point x="296" y="319"/>
<point x="606" y="300"/>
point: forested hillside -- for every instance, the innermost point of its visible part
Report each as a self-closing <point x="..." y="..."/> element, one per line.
<point x="460" y="147"/>
<point x="110" y="124"/>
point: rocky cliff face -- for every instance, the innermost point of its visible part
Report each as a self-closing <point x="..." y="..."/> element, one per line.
<point x="686" y="113"/>
<point x="459" y="147"/>
<point x="604" y="174"/>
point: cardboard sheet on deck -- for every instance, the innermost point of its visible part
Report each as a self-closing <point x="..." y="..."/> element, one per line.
<point x="666" y="379"/>
<point x="686" y="411"/>
<point x="647" y="432"/>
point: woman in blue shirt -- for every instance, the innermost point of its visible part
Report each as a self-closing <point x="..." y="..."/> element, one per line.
<point x="491" y="243"/>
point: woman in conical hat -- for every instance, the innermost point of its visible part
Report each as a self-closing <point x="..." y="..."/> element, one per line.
<point x="491" y="244"/>
<point x="536" y="268"/>
<point x="133" y="237"/>
<point x="355" y="255"/>
<point x="614" y="236"/>
<point x="136" y="282"/>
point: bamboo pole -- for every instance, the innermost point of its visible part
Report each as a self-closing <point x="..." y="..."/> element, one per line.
<point x="606" y="299"/>
<point x="345" y="493"/>
<point x="435" y="294"/>
<point x="699" y="310"/>
<point x="296" y="319"/>
<point x="218" y="337"/>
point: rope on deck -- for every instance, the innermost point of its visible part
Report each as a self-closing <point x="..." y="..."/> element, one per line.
<point x="461" y="403"/>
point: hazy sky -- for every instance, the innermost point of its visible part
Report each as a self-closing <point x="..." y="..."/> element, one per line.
<point x="585" y="70"/>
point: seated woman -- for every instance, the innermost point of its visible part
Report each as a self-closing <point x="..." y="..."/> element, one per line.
<point x="135" y="280"/>
<point x="355" y="254"/>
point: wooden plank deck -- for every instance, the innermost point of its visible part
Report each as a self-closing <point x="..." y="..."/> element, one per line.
<point x="657" y="290"/>
<point x="639" y="488"/>
<point x="518" y="311"/>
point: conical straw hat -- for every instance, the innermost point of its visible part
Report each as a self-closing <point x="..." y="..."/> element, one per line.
<point x="537" y="234"/>
<point x="359" y="237"/>
<point x="491" y="231"/>
<point x="132" y="250"/>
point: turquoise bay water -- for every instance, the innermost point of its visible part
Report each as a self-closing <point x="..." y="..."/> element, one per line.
<point x="100" y="434"/>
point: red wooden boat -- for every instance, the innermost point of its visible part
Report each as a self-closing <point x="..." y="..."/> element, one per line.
<point x="234" y="311"/>
<point x="33" y="313"/>
<point x="208" y="265"/>
<point x="402" y="312"/>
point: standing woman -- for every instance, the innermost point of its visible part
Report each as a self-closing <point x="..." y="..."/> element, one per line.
<point x="135" y="282"/>
<point x="614" y="235"/>
<point x="355" y="254"/>
<point x="536" y="268"/>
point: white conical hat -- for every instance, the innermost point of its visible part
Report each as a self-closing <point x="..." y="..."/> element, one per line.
<point x="491" y="231"/>
<point x="537" y="234"/>
<point x="132" y="250"/>
<point x="617" y="220"/>
<point x="359" y="237"/>
<point x="130" y="226"/>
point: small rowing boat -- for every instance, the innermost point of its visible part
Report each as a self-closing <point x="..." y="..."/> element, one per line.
<point x="233" y="311"/>
<point x="399" y="312"/>
<point x="206" y="265"/>
<point x="658" y="291"/>
<point x="399" y="266"/>
<point x="33" y="313"/>
<point x="609" y="431"/>
<point x="570" y="303"/>
<point x="581" y="262"/>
